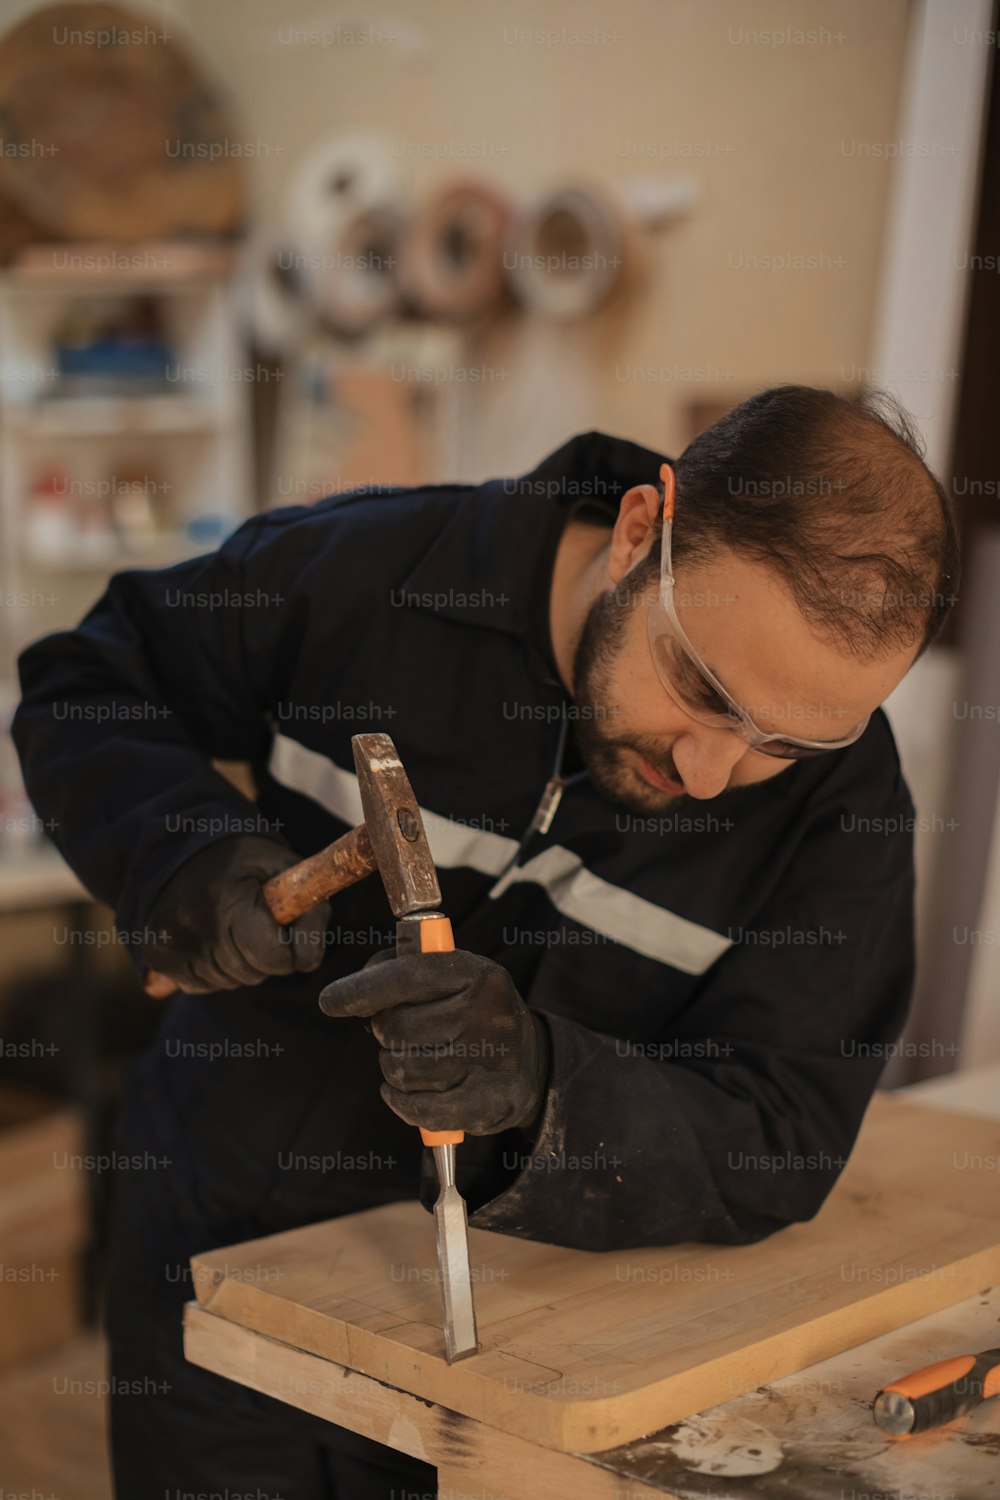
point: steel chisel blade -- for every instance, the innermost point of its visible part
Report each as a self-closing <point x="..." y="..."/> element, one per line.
<point x="451" y="1222"/>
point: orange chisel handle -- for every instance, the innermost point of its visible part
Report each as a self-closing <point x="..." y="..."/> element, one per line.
<point x="434" y="934"/>
<point x="938" y="1393"/>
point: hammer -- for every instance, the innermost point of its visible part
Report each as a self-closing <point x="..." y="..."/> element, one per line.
<point x="391" y="840"/>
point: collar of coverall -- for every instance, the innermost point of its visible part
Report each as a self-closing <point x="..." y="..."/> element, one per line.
<point x="481" y="569"/>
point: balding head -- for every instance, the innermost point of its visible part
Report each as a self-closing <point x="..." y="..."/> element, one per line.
<point x="833" y="495"/>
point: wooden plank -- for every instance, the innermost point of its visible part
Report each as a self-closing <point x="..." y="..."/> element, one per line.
<point x="53" y="1425"/>
<point x="811" y="1434"/>
<point x="42" y="1185"/>
<point x="43" y="1221"/>
<point x="585" y="1351"/>
<point x="475" y="1460"/>
<point x="40" y="1301"/>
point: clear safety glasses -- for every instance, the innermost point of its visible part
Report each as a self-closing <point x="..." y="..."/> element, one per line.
<point x="688" y="680"/>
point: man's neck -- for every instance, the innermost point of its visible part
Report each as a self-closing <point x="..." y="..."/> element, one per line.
<point x="575" y="585"/>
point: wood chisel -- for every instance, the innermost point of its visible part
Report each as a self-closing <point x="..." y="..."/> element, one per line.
<point x="404" y="860"/>
<point x="938" y="1393"/>
<point x="430" y="932"/>
<point x="392" y="841"/>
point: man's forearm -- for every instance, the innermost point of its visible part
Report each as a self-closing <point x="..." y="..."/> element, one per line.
<point x="629" y="1151"/>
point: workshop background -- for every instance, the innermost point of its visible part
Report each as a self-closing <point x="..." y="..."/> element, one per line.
<point x="253" y="252"/>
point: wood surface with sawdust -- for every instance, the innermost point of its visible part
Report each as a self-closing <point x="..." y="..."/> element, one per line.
<point x="582" y="1351"/>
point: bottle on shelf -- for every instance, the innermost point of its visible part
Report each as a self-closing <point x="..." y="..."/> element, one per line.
<point x="50" y="528"/>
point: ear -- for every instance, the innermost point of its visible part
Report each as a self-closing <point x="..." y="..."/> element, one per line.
<point x="633" y="533"/>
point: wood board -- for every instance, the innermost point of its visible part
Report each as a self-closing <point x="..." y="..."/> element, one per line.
<point x="43" y="1221"/>
<point x="584" y="1351"/>
<point x="809" y="1435"/>
<point x="473" y="1461"/>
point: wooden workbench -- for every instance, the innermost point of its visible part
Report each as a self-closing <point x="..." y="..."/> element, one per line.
<point x="777" y="1422"/>
<point x="808" y="1437"/>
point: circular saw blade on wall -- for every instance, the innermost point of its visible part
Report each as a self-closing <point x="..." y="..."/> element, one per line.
<point x="338" y="178"/>
<point x="452" y="252"/>
<point x="111" y="132"/>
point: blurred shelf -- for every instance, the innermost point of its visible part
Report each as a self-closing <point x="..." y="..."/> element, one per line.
<point x="100" y="554"/>
<point x="90" y="437"/>
<point x="975" y="1091"/>
<point x="109" y="267"/>
<point x="110" y="416"/>
<point x="39" y="878"/>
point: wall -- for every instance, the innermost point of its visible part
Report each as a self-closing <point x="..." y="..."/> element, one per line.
<point x="769" y="131"/>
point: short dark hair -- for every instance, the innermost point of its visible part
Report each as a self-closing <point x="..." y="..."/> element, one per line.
<point x="833" y="493"/>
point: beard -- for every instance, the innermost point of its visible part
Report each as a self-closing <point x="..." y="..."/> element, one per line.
<point x="613" y="771"/>
<point x="611" y="760"/>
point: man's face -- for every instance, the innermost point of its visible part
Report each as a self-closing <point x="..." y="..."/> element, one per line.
<point x="641" y="749"/>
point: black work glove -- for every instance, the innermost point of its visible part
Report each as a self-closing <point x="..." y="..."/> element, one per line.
<point x="215" y="931"/>
<point x="460" y="1049"/>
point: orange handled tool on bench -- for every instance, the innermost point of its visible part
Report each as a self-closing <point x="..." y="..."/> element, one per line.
<point x="938" y="1393"/>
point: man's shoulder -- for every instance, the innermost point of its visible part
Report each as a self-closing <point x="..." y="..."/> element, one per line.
<point x="865" y="781"/>
<point x="383" y="516"/>
<point x="395" y="524"/>
<point x="363" y="505"/>
<point x="879" y="761"/>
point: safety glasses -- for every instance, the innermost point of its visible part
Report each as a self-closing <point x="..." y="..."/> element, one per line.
<point x="688" y="680"/>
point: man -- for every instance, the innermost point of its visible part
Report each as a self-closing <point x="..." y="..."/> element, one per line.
<point x="671" y="996"/>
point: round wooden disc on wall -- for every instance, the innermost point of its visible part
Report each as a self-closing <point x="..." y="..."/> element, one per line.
<point x="17" y="231"/>
<point x="110" y="132"/>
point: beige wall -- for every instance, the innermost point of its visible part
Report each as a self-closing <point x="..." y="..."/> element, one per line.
<point x="774" y="124"/>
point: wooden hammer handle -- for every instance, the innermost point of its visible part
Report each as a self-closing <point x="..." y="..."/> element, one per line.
<point x="301" y="887"/>
<point x="342" y="863"/>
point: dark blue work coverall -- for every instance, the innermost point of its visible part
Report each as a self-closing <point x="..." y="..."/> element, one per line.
<point x="720" y="984"/>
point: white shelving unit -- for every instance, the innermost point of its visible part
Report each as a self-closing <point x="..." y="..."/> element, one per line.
<point x="188" y="439"/>
<point x="189" y="435"/>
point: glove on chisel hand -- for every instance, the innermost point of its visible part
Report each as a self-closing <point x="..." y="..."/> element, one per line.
<point x="460" y="1049"/>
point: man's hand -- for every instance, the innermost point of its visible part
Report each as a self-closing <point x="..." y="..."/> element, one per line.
<point x="215" y="931"/>
<point x="460" y="1049"/>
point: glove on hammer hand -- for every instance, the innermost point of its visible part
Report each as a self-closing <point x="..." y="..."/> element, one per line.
<point x="214" y="929"/>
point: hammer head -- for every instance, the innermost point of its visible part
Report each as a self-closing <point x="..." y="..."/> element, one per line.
<point x="395" y="827"/>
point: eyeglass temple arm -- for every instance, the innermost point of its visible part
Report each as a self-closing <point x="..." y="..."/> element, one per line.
<point x="669" y="491"/>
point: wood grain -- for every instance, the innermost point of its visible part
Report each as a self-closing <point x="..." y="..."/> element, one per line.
<point x="342" y="863"/>
<point x="474" y="1462"/>
<point x="811" y="1434"/>
<point x="584" y="1351"/>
